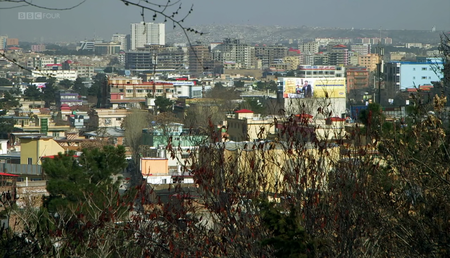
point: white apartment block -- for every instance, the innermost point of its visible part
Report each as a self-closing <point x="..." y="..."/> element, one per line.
<point x="362" y="49"/>
<point x="83" y="70"/>
<point x="3" y="42"/>
<point x="309" y="47"/>
<point x="122" y="39"/>
<point x="147" y="33"/>
<point x="41" y="62"/>
<point x="58" y="74"/>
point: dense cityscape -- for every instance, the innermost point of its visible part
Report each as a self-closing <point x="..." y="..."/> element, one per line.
<point x="226" y="141"/>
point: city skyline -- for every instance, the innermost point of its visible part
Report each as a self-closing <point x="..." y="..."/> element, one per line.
<point x="85" y="22"/>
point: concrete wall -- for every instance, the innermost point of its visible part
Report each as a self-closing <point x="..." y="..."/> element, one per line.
<point x="154" y="166"/>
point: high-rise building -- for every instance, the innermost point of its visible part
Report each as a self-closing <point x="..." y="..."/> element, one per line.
<point x="338" y="55"/>
<point x="109" y="48"/>
<point x="268" y="54"/>
<point x="403" y="75"/>
<point x="122" y="39"/>
<point x="370" y="61"/>
<point x="38" y="48"/>
<point x="199" y="59"/>
<point x="309" y="47"/>
<point x="86" y="45"/>
<point x="139" y="61"/>
<point x="362" y="49"/>
<point x="12" y="42"/>
<point x="3" y="42"/>
<point x="233" y="52"/>
<point x="357" y="78"/>
<point x="147" y="33"/>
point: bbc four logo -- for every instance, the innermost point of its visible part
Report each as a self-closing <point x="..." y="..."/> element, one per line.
<point x="37" y="16"/>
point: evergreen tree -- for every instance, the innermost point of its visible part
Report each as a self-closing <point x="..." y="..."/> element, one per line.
<point x="33" y="93"/>
<point x="163" y="104"/>
<point x="49" y="92"/>
<point x="70" y="179"/>
<point x="79" y="87"/>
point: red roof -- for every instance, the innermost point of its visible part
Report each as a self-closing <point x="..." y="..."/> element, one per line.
<point x="53" y="156"/>
<point x="14" y="48"/>
<point x="243" y="111"/>
<point x="294" y="50"/>
<point x="6" y="174"/>
<point x="304" y="115"/>
<point x="337" y="119"/>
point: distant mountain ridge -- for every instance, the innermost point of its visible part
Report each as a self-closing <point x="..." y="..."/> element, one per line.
<point x="253" y="34"/>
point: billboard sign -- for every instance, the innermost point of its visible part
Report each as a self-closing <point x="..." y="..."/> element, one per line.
<point x="298" y="88"/>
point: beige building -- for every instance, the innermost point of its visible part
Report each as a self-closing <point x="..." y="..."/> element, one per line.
<point x="34" y="148"/>
<point x="273" y="166"/>
<point x="292" y="62"/>
<point x="102" y="117"/>
<point x="247" y="126"/>
<point x="370" y="61"/>
<point x="156" y="170"/>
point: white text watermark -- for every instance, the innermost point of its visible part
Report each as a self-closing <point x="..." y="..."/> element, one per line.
<point x="37" y="16"/>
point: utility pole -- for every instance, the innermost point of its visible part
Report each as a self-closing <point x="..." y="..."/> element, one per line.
<point x="380" y="67"/>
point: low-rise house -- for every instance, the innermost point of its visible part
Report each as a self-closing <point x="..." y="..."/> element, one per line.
<point x="247" y="126"/>
<point x="103" y="118"/>
<point x="155" y="170"/>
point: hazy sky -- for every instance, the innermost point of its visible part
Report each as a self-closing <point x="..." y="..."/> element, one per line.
<point x="102" y="18"/>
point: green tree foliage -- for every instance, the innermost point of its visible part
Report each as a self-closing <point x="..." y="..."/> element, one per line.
<point x="33" y="93"/>
<point x="133" y="124"/>
<point x="287" y="236"/>
<point x="6" y="126"/>
<point x="254" y="105"/>
<point x="79" y="87"/>
<point x="372" y="116"/>
<point x="65" y="84"/>
<point x="9" y="101"/>
<point x="163" y="104"/>
<point x="70" y="179"/>
<point x="221" y="92"/>
<point x="239" y="84"/>
<point x="5" y="82"/>
<point x="264" y="86"/>
<point x="49" y="92"/>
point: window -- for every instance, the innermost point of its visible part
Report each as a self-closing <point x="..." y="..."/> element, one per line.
<point x="140" y="91"/>
<point x="30" y="161"/>
<point x="424" y="77"/>
<point x="120" y="90"/>
<point x="159" y="91"/>
<point x="118" y="118"/>
<point x="55" y="134"/>
<point x="129" y="91"/>
<point x="424" y="68"/>
<point x="185" y="155"/>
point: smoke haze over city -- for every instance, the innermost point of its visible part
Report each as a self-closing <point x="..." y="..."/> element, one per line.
<point x="100" y="19"/>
